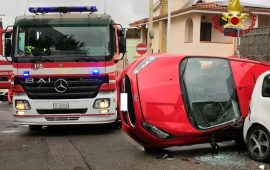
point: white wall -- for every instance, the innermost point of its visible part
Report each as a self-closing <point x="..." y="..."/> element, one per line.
<point x="178" y="45"/>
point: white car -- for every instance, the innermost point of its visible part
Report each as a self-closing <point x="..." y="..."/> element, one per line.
<point x="257" y="124"/>
<point x="3" y="94"/>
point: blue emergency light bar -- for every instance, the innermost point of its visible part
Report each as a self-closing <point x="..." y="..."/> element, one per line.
<point x="95" y="71"/>
<point x="43" y="10"/>
<point x="26" y="74"/>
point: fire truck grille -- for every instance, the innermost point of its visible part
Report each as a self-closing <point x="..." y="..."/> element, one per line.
<point x="62" y="111"/>
<point x="75" y="88"/>
<point x="62" y="118"/>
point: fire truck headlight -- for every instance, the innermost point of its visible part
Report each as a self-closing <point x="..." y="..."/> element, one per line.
<point x="22" y="105"/>
<point x="143" y="64"/>
<point x="20" y="113"/>
<point x="104" y="111"/>
<point x="102" y="104"/>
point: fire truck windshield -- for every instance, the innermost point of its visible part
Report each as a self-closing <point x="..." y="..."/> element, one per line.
<point x="68" y="41"/>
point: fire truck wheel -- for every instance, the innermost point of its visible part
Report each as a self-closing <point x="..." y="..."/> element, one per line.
<point x="117" y="124"/>
<point x="35" y="127"/>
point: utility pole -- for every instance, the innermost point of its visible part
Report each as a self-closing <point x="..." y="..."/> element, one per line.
<point x="163" y="26"/>
<point x="1" y="23"/>
<point x="169" y="26"/>
<point x="150" y="28"/>
<point x="238" y="42"/>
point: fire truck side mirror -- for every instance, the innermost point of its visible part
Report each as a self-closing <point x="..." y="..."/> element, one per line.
<point x="122" y="41"/>
<point x="7" y="45"/>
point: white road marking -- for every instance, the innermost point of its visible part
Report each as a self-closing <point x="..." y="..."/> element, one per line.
<point x="8" y="131"/>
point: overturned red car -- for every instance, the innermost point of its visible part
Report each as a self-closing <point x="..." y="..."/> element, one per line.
<point x="173" y="100"/>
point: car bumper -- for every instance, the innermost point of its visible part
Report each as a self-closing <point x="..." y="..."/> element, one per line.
<point x="65" y="119"/>
<point x="51" y="116"/>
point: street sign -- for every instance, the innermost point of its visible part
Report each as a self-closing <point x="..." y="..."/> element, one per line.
<point x="141" y="48"/>
<point x="231" y="32"/>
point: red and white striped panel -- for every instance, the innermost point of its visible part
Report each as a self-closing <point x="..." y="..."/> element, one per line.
<point x="5" y="68"/>
<point x="65" y="68"/>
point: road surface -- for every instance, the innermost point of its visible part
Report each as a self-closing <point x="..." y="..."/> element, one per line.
<point x="100" y="147"/>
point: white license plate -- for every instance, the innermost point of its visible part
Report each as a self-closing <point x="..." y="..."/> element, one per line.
<point x="60" y="105"/>
<point x="124" y="102"/>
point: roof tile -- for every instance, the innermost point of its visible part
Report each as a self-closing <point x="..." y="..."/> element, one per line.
<point x="207" y="6"/>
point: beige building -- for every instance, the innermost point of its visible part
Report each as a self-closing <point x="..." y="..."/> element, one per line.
<point x="193" y="29"/>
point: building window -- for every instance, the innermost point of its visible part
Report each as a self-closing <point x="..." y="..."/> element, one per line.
<point x="206" y="31"/>
<point x="189" y="31"/>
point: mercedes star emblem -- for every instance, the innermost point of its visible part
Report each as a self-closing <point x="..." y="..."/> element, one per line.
<point x="61" y="86"/>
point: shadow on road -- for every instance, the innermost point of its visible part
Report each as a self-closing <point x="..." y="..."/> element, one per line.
<point x="203" y="148"/>
<point x="231" y="154"/>
<point x="187" y="153"/>
<point x="72" y="130"/>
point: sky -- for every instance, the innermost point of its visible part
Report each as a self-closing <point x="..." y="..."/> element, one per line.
<point x="122" y="11"/>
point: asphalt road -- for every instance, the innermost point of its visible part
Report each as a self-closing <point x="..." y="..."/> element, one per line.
<point x="99" y="147"/>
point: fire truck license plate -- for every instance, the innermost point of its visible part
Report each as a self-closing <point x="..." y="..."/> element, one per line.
<point x="124" y="102"/>
<point x="60" y="105"/>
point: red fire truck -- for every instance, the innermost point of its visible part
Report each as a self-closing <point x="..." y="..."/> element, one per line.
<point x="5" y="69"/>
<point x="65" y="66"/>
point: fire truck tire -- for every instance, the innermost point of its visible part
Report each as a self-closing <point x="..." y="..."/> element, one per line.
<point x="117" y="124"/>
<point x="35" y="127"/>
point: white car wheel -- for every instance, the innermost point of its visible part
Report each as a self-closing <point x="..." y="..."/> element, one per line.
<point x="259" y="144"/>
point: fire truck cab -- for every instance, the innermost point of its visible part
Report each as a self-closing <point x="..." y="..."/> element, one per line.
<point x="64" y="67"/>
